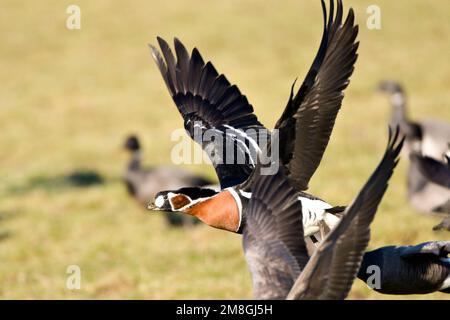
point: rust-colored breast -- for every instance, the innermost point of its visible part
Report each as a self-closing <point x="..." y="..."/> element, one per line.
<point x="220" y="211"/>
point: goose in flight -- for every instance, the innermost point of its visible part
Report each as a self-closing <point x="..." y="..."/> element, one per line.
<point x="209" y="104"/>
<point x="274" y="245"/>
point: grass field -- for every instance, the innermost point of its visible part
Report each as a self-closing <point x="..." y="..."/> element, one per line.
<point x="69" y="97"/>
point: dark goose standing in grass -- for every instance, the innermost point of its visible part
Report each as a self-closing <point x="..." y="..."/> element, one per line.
<point x="428" y="138"/>
<point x="144" y="183"/>
<point x="438" y="172"/>
<point x="209" y="103"/>
<point x="420" y="269"/>
<point x="274" y="245"/>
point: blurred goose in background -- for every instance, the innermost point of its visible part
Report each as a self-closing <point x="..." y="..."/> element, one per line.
<point x="424" y="268"/>
<point x="428" y="138"/>
<point x="273" y="237"/>
<point x="144" y="183"/>
<point x="438" y="172"/>
<point x="208" y="102"/>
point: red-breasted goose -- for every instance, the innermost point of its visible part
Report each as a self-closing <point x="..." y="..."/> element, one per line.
<point x="207" y="100"/>
<point x="144" y="183"/>
<point x="276" y="251"/>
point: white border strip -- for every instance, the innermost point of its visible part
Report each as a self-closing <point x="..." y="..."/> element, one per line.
<point x="239" y="204"/>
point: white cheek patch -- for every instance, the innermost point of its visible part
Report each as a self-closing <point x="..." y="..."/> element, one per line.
<point x="159" y="201"/>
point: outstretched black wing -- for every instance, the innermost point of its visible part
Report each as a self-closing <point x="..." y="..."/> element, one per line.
<point x="308" y="119"/>
<point x="273" y="236"/>
<point x="215" y="113"/>
<point x="333" y="267"/>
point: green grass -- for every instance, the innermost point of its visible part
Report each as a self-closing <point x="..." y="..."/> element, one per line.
<point x="68" y="99"/>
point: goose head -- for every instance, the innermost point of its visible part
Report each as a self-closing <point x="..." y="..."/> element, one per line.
<point x="132" y="143"/>
<point x="411" y="129"/>
<point x="390" y="87"/>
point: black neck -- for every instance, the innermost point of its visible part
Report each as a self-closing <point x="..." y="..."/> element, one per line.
<point x="135" y="162"/>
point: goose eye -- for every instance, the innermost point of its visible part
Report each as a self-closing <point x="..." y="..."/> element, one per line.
<point x="179" y="201"/>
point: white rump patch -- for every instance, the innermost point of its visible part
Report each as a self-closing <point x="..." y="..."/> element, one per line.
<point x="313" y="211"/>
<point x="314" y="205"/>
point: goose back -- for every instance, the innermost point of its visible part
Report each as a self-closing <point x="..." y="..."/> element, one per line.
<point x="436" y="137"/>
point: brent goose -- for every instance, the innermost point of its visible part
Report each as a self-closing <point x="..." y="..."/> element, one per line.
<point x="428" y="138"/>
<point x="273" y="237"/>
<point x="424" y="268"/>
<point x="144" y="183"/>
<point x="207" y="101"/>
